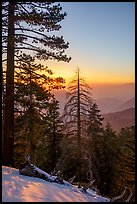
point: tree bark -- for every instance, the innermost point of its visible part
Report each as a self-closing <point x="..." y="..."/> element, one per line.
<point x="54" y="146"/>
<point x="32" y="146"/>
<point x="8" y="140"/>
<point x="79" y="131"/>
<point x="78" y="119"/>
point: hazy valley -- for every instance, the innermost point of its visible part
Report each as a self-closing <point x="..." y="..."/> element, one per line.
<point x="125" y="118"/>
<point x="116" y="103"/>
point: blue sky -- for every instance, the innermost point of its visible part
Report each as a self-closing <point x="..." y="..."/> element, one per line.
<point x="101" y="38"/>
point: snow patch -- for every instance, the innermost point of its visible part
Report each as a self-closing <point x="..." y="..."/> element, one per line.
<point x="20" y="188"/>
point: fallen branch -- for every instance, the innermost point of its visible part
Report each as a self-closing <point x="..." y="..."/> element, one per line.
<point x="29" y="169"/>
<point x="122" y="194"/>
<point x="119" y="196"/>
<point x="72" y="179"/>
<point x="129" y="197"/>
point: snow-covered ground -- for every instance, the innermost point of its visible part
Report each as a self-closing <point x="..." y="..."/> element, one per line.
<point x="20" y="188"/>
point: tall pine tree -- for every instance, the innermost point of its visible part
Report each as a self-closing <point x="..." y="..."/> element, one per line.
<point x="51" y="137"/>
<point x="95" y="139"/>
<point x="25" y="27"/>
<point x="108" y="160"/>
<point x="32" y="95"/>
<point x="125" y="162"/>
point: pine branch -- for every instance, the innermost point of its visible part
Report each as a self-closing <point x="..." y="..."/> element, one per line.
<point x="24" y="8"/>
<point x="33" y="31"/>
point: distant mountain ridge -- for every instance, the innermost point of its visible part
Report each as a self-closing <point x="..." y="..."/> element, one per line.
<point x="109" y="98"/>
<point x="121" y="119"/>
<point x="108" y="104"/>
<point x="128" y="104"/>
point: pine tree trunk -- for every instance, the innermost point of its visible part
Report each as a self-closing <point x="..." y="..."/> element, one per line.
<point x="79" y="132"/>
<point x="8" y="143"/>
<point x="54" y="147"/>
<point x="3" y="108"/>
<point x="32" y="146"/>
<point x="78" y="119"/>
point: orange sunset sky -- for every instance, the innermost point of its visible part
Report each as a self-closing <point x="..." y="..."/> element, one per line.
<point x="101" y="38"/>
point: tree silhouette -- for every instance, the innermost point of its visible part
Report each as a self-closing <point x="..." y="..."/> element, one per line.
<point x="25" y="26"/>
<point x="75" y="118"/>
<point x="125" y="162"/>
<point x="95" y="139"/>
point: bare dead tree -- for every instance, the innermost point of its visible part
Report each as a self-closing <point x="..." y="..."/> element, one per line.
<point x="90" y="173"/>
<point x="75" y="114"/>
<point x="77" y="107"/>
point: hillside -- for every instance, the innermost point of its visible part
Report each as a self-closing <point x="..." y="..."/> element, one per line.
<point x="20" y="188"/>
<point x="108" y="104"/>
<point x="128" y="104"/>
<point x="120" y="119"/>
